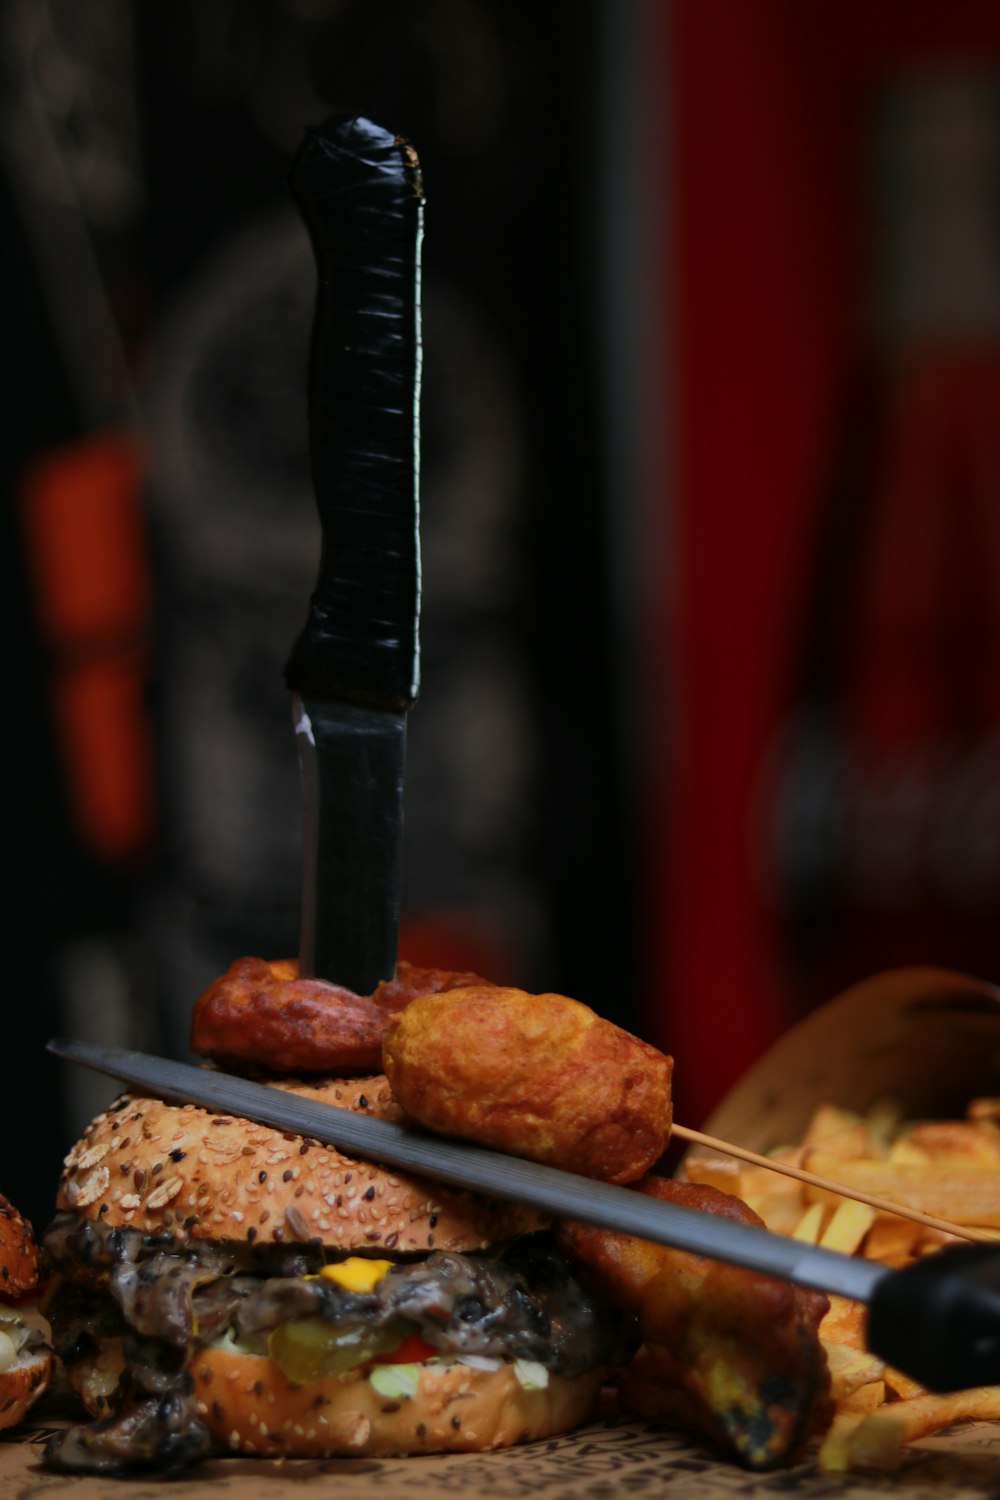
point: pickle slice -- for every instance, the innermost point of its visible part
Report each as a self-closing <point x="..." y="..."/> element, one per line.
<point x="309" y="1349"/>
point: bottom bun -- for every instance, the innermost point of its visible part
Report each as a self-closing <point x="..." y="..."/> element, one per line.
<point x="249" y="1406"/>
<point x="22" y="1384"/>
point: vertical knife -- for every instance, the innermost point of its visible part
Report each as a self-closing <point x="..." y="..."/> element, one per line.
<point x="354" y="670"/>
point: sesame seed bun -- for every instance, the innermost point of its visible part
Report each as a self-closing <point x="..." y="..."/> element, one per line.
<point x="28" y="1374"/>
<point x="18" y="1252"/>
<point x="22" y="1385"/>
<point x="250" y="1407"/>
<point x="164" y="1168"/>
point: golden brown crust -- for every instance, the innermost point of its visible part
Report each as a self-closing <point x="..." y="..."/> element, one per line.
<point x="260" y="1011"/>
<point x="539" y="1076"/>
<point x="728" y="1352"/>
<point x="21" y="1386"/>
<point x="250" y="1407"/>
<point x="180" y="1169"/>
<point x="18" y="1252"/>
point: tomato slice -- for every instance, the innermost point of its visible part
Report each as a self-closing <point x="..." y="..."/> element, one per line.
<point x="412" y="1351"/>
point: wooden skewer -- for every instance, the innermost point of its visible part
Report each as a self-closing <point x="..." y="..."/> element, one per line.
<point x="884" y="1205"/>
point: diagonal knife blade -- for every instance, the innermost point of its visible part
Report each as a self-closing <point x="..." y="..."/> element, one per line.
<point x="937" y="1320"/>
<point x="354" y="670"/>
<point x="553" y="1191"/>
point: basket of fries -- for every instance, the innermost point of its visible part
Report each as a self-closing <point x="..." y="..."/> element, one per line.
<point x="891" y="1090"/>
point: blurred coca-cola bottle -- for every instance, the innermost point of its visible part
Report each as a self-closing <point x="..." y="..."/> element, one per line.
<point x="881" y="833"/>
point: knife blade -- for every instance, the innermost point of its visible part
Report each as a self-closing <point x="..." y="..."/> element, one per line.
<point x="938" y="1321"/>
<point x="355" y="668"/>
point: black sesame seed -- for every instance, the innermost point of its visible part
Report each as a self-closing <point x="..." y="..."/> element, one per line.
<point x="177" y="1154"/>
<point x="287" y="1176"/>
<point x="362" y="1102"/>
<point x="261" y="1176"/>
<point x="456" y="1422"/>
<point x="432" y="1221"/>
<point x="251" y="1235"/>
<point x="303" y="1148"/>
<point x="218" y="1411"/>
<point x="370" y="1195"/>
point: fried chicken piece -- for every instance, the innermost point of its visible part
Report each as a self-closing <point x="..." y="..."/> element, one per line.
<point x="538" y="1076"/>
<point x="262" y="1012"/>
<point x="728" y="1353"/>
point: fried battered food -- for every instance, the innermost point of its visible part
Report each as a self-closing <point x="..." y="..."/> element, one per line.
<point x="262" y="1012"/>
<point x="729" y="1353"/>
<point x="538" y="1076"/>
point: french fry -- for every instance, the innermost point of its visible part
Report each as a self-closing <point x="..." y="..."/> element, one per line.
<point x="892" y="1241"/>
<point x="960" y="1194"/>
<point x="877" y="1442"/>
<point x="834" y="1454"/>
<point x="864" y="1398"/>
<point x="830" y="1120"/>
<point x="848" y="1226"/>
<point x="844" y="1323"/>
<point x="901" y="1386"/>
<point x="851" y="1368"/>
<point x="883" y="1118"/>
<point x="780" y="1211"/>
<point x="810" y="1225"/>
<point x="922" y="1415"/>
<point x="958" y="1142"/>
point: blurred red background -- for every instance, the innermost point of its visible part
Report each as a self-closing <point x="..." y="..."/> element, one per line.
<point x="773" y="379"/>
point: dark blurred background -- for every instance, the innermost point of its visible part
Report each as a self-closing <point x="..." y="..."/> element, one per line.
<point x="711" y="506"/>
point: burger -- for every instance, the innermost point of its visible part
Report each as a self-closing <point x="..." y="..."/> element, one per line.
<point x="223" y="1287"/>
<point x="25" y="1357"/>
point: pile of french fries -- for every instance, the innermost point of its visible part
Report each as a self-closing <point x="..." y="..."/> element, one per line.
<point x="949" y="1169"/>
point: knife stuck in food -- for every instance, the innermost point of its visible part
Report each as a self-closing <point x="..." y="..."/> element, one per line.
<point x="938" y="1321"/>
<point x="354" y="670"/>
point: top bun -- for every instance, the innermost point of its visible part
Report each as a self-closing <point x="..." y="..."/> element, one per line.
<point x="186" y="1171"/>
<point x="18" y="1252"/>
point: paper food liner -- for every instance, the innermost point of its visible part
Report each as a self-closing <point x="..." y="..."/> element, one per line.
<point x="929" y="1038"/>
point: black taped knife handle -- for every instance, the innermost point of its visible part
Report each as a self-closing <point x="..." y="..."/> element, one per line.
<point x="360" y="193"/>
<point x="939" y="1319"/>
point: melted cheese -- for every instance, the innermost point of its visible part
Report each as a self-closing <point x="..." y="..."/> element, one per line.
<point x="356" y="1274"/>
